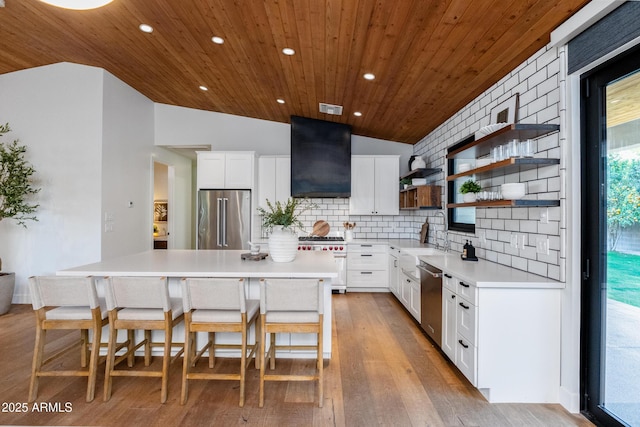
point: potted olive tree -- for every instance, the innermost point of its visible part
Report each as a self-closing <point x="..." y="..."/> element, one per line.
<point x="15" y="188"/>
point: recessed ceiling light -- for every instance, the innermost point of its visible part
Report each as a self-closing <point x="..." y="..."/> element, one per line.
<point x="357" y="114"/>
<point x="217" y="40"/>
<point x="369" y="76"/>
<point x="288" y="51"/>
<point x="203" y="88"/>
<point x="145" y="28"/>
<point x="78" y="4"/>
<point x="280" y="101"/>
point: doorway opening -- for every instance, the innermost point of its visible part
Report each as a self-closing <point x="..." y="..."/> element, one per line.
<point x="161" y="206"/>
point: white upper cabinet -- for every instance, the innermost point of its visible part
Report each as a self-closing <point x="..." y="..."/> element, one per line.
<point x="231" y="169"/>
<point x="274" y="179"/>
<point x="374" y="185"/>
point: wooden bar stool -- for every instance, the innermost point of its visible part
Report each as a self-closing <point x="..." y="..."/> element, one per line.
<point x="216" y="305"/>
<point x="141" y="303"/>
<point x="290" y="306"/>
<point x="76" y="307"/>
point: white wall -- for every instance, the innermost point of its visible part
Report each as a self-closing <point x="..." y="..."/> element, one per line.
<point x="56" y="111"/>
<point x="90" y="139"/>
<point x="176" y="126"/>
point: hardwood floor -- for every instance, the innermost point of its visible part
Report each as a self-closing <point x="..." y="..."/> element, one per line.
<point x="384" y="372"/>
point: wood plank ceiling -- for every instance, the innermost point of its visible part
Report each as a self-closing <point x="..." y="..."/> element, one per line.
<point x="430" y="57"/>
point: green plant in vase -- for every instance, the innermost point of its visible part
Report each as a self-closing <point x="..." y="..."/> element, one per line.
<point x="469" y="189"/>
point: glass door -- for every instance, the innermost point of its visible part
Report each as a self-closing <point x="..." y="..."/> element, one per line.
<point x="611" y="242"/>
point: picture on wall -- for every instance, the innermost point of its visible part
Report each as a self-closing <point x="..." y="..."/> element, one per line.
<point x="160" y="210"/>
<point x="506" y="111"/>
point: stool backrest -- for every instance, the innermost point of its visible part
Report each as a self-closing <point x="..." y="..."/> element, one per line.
<point x="213" y="294"/>
<point x="291" y="295"/>
<point x="137" y="292"/>
<point x="63" y="291"/>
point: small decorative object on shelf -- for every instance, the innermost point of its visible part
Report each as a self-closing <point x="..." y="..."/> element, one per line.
<point x="469" y="189"/>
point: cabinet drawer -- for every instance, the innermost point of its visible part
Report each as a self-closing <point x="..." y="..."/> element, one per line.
<point x="366" y="261"/>
<point x="466" y="358"/>
<point x="466" y="320"/>
<point x="367" y="279"/>
<point x="467" y="291"/>
<point x="449" y="282"/>
<point x="369" y="248"/>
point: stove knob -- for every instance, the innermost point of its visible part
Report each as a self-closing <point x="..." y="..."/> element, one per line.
<point x="308" y="248"/>
<point x="330" y="248"/>
<point x="341" y="247"/>
<point x="324" y="249"/>
<point x="298" y="247"/>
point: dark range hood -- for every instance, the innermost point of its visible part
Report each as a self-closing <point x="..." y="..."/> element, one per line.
<point x="320" y="158"/>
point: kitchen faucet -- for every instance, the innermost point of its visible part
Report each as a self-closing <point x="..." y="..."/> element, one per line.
<point x="445" y="244"/>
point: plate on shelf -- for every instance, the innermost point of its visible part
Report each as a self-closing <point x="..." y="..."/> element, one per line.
<point x="486" y="130"/>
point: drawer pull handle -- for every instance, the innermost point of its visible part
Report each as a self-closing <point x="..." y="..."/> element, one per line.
<point x="366" y="272"/>
<point x="464" y="284"/>
<point x="466" y="307"/>
<point x="453" y="296"/>
<point x="366" y="254"/>
<point x="448" y="276"/>
<point x="463" y="344"/>
<point x="366" y="246"/>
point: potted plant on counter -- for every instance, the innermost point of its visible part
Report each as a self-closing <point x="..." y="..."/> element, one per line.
<point x="281" y="220"/>
<point x="15" y="187"/>
<point x="469" y="189"/>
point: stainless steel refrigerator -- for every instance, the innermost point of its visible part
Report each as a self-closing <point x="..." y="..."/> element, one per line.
<point x="224" y="219"/>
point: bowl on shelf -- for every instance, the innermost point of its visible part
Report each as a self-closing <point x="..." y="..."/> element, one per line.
<point x="513" y="191"/>
<point x="419" y="181"/>
<point x="463" y="167"/>
<point x="486" y="130"/>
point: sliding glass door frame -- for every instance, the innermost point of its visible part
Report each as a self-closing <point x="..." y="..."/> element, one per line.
<point x="593" y="236"/>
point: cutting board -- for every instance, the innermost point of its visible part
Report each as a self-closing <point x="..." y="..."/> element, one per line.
<point x="320" y="228"/>
<point x="424" y="232"/>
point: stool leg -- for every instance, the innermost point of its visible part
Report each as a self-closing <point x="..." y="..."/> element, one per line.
<point x="186" y="362"/>
<point x="320" y="366"/>
<point x="272" y="352"/>
<point x="38" y="353"/>
<point x="147" y="347"/>
<point x="262" y="362"/>
<point x="166" y="358"/>
<point x="93" y="361"/>
<point x="84" y="347"/>
<point x="132" y="343"/>
<point x="243" y="359"/>
<point x="111" y="354"/>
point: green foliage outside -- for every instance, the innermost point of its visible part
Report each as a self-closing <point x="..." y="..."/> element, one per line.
<point x="15" y="182"/>
<point x="623" y="278"/>
<point x="623" y="196"/>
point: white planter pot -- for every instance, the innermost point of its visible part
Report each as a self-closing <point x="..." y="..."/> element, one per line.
<point x="7" y="284"/>
<point x="469" y="197"/>
<point x="283" y="244"/>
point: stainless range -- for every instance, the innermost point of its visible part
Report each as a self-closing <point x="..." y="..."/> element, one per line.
<point x="335" y="245"/>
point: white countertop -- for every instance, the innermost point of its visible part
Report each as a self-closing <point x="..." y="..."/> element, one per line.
<point x="481" y="273"/>
<point x="209" y="263"/>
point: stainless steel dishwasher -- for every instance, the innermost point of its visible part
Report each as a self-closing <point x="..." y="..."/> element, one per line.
<point x="431" y="301"/>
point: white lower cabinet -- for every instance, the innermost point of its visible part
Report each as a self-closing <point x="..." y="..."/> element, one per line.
<point x="414" y="300"/>
<point x="367" y="268"/>
<point x="505" y="340"/>
<point x="394" y="271"/>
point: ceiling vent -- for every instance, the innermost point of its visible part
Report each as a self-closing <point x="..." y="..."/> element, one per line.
<point x="335" y="110"/>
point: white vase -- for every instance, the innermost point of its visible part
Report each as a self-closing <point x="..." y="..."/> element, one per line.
<point x="469" y="197"/>
<point x="283" y="244"/>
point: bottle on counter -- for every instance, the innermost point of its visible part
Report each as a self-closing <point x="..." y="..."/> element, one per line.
<point x="465" y="250"/>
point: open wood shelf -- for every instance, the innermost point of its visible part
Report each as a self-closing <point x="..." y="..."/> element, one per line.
<point x="421" y="173"/>
<point x="506" y="203"/>
<point x="505" y="166"/>
<point x="520" y="131"/>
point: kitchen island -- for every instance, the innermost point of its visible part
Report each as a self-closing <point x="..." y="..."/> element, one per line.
<point x="177" y="263"/>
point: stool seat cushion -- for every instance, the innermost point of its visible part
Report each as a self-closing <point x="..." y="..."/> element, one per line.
<point x="224" y="316"/>
<point x="74" y="313"/>
<point x="151" y="313"/>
